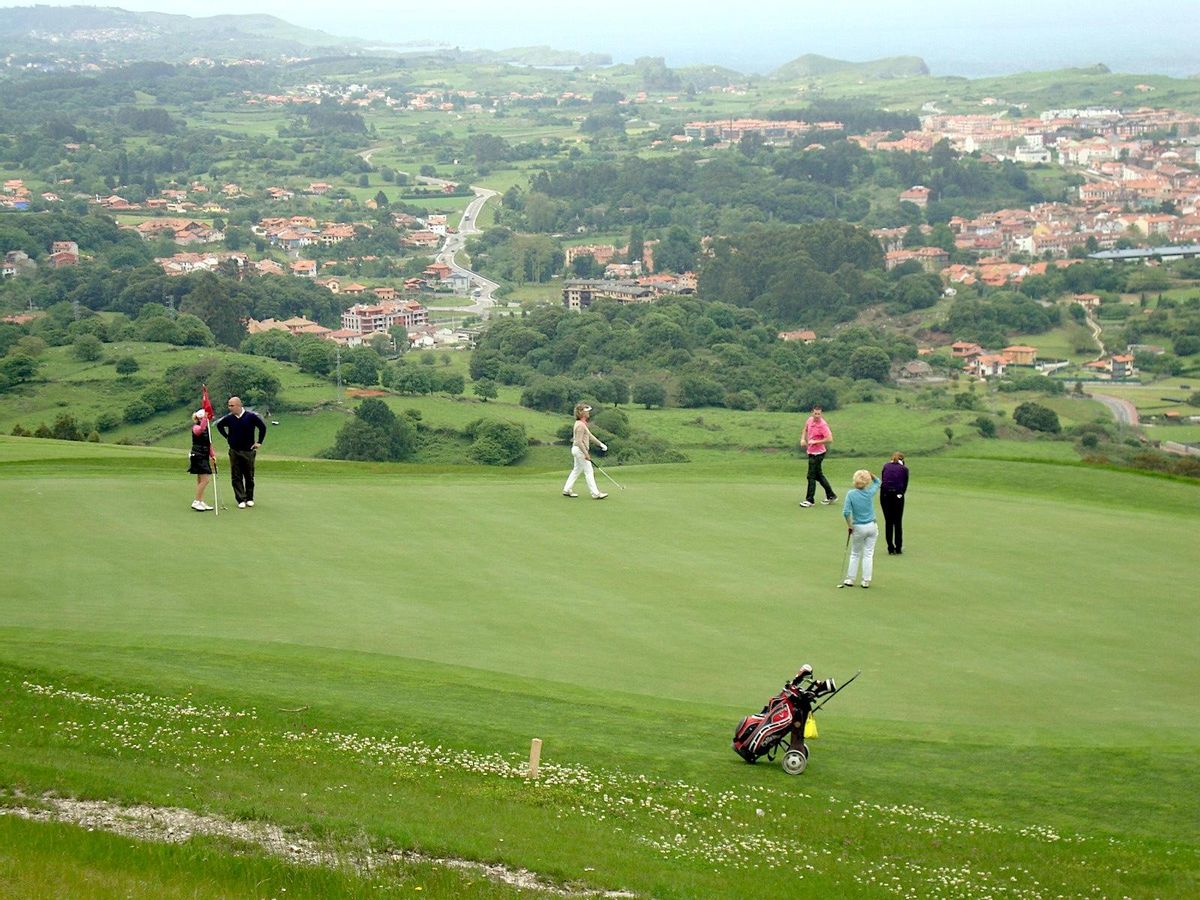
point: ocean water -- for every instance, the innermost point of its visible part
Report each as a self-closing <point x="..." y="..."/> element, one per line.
<point x="971" y="38"/>
<point x="973" y="50"/>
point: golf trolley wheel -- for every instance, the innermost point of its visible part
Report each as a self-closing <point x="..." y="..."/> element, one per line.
<point x="795" y="762"/>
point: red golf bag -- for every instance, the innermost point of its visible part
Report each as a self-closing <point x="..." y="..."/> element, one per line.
<point x="783" y="719"/>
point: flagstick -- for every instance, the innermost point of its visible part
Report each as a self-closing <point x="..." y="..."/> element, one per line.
<point x="213" y="459"/>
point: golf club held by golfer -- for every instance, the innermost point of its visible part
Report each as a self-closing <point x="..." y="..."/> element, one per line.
<point x="600" y="469"/>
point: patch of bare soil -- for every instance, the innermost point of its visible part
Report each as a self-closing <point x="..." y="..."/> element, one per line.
<point x="174" y="825"/>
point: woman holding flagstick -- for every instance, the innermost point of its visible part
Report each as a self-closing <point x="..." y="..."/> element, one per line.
<point x="201" y="458"/>
<point x="208" y="414"/>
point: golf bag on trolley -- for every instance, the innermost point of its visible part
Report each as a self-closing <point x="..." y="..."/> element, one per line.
<point x="783" y="722"/>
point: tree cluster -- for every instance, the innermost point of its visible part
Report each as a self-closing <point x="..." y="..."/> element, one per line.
<point x="64" y="428"/>
<point x="1176" y="320"/>
<point x="1037" y="417"/>
<point x="405" y="378"/>
<point x="516" y="258"/>
<point x="682" y="351"/>
<point x="375" y="433"/>
<point x="818" y="273"/>
<point x="495" y="443"/>
<point x="1005" y="312"/>
<point x="716" y="192"/>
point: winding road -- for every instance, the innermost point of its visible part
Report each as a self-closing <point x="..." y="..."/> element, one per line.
<point x="1094" y="327"/>
<point x="1123" y="411"/>
<point x="482" y="289"/>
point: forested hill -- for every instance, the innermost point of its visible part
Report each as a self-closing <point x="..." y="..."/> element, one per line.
<point x="53" y="35"/>
<point x="64" y="32"/>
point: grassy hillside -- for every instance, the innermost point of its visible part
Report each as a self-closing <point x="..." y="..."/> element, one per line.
<point x="1025" y="718"/>
<point x="310" y="411"/>
<point x="1040" y="90"/>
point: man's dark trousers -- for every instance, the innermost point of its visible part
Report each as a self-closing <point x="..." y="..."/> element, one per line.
<point x="816" y="476"/>
<point x="893" y="519"/>
<point x="241" y="473"/>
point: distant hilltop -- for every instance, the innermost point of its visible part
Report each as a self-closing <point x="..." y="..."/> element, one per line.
<point x="811" y="64"/>
<point x="106" y="23"/>
<point x="119" y="35"/>
<point x="123" y="35"/>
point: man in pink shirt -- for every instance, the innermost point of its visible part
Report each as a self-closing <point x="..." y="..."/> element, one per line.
<point x="815" y="440"/>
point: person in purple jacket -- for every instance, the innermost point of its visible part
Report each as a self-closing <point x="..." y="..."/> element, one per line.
<point x="891" y="500"/>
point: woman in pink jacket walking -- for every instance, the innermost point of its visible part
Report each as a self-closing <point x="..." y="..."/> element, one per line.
<point x="816" y="440"/>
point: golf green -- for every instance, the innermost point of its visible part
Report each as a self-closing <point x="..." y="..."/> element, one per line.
<point x="1021" y="605"/>
<point x="366" y="653"/>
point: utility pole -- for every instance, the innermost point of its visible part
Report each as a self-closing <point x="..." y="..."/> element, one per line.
<point x="339" y="373"/>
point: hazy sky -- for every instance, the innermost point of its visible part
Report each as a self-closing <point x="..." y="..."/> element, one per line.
<point x="955" y="37"/>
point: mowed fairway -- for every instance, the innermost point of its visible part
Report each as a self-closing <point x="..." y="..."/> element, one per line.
<point x="1029" y="663"/>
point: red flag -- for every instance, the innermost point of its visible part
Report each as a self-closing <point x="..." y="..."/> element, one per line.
<point x="206" y="404"/>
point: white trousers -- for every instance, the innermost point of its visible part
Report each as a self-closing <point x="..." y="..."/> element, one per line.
<point x="583" y="465"/>
<point x="862" y="547"/>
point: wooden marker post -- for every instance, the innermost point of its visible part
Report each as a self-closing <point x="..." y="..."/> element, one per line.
<point x="535" y="756"/>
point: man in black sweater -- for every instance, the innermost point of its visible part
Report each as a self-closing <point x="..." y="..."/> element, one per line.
<point x="245" y="431"/>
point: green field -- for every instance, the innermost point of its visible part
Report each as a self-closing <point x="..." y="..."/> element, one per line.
<point x="87" y="389"/>
<point x="1026" y="723"/>
<point x="1156" y="398"/>
<point x="310" y="412"/>
<point x="1055" y="344"/>
<point x="533" y="294"/>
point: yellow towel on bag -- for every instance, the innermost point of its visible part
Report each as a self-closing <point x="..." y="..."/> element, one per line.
<point x="810" y="727"/>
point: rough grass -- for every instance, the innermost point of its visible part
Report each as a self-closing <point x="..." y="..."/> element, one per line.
<point x="637" y="795"/>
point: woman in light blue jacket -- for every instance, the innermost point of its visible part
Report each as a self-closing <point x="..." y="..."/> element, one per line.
<point x="859" y="510"/>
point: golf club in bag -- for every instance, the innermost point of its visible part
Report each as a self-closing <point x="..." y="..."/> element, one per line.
<point x="786" y="721"/>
